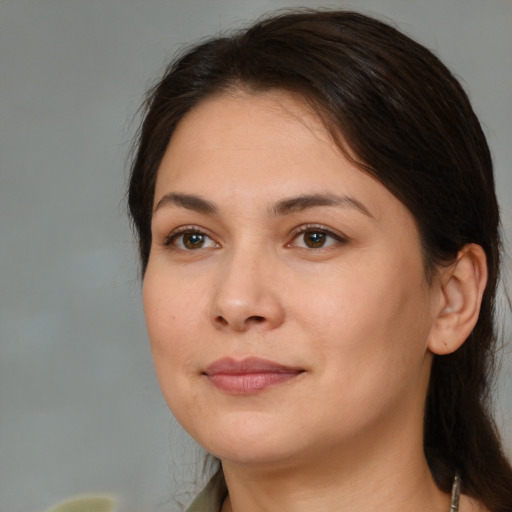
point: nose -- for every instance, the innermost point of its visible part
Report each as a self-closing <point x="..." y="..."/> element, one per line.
<point x="246" y="294"/>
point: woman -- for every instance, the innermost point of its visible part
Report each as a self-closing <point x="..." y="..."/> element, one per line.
<point x="314" y="201"/>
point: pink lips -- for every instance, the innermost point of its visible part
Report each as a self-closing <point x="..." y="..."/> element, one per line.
<point x="248" y="376"/>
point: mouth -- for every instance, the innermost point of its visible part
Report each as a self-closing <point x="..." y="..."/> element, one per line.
<point x="249" y="376"/>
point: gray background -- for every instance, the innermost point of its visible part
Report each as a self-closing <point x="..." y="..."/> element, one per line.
<point x="80" y="409"/>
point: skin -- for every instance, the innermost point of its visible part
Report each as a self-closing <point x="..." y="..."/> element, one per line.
<point x="355" y="315"/>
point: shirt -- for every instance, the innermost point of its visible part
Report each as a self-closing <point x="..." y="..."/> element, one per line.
<point x="211" y="498"/>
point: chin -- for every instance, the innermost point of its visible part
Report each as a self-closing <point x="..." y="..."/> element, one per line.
<point x="247" y="440"/>
<point x="255" y="454"/>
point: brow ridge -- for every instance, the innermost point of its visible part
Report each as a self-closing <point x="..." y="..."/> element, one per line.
<point x="188" y="201"/>
<point x="283" y="207"/>
<point x="305" y="201"/>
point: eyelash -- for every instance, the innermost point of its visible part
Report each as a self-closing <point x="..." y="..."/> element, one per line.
<point x="185" y="230"/>
<point x="314" y="228"/>
<point x="302" y="230"/>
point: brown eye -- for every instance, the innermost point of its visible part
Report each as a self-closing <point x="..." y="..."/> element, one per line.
<point x="314" y="239"/>
<point x="190" y="241"/>
<point x="193" y="240"/>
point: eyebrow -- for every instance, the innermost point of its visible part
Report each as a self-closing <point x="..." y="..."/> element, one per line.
<point x="303" y="202"/>
<point x="282" y="207"/>
<point x="188" y="201"/>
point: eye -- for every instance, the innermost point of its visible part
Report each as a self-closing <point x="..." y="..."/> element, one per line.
<point x="190" y="240"/>
<point x="315" y="238"/>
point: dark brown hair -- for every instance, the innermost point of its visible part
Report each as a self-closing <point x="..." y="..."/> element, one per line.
<point x="411" y="126"/>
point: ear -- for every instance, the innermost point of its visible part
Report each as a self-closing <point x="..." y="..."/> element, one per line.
<point x="462" y="287"/>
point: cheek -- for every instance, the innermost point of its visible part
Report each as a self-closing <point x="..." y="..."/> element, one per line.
<point x="370" y="332"/>
<point x="373" y="313"/>
<point x="171" y="302"/>
<point x="172" y="321"/>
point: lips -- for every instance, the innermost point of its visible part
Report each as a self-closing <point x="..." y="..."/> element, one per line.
<point x="248" y="376"/>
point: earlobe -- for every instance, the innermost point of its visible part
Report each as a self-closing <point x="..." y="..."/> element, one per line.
<point x="462" y="287"/>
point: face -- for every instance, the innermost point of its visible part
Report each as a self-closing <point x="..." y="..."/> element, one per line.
<point x="285" y="295"/>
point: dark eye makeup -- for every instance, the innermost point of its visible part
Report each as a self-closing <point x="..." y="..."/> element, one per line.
<point x="190" y="238"/>
<point x="315" y="237"/>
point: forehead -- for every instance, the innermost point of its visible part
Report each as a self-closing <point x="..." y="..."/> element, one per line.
<point x="242" y="121"/>
<point x="246" y="149"/>
<point x="229" y="135"/>
<point x="270" y="107"/>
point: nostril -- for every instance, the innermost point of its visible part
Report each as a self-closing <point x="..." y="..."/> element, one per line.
<point x="239" y="323"/>
<point x="256" y="319"/>
<point x="221" y="320"/>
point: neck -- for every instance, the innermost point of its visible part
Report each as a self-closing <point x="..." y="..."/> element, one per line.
<point x="384" y="473"/>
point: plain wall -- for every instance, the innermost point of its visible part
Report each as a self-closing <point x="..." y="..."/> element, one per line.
<point x="80" y="409"/>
